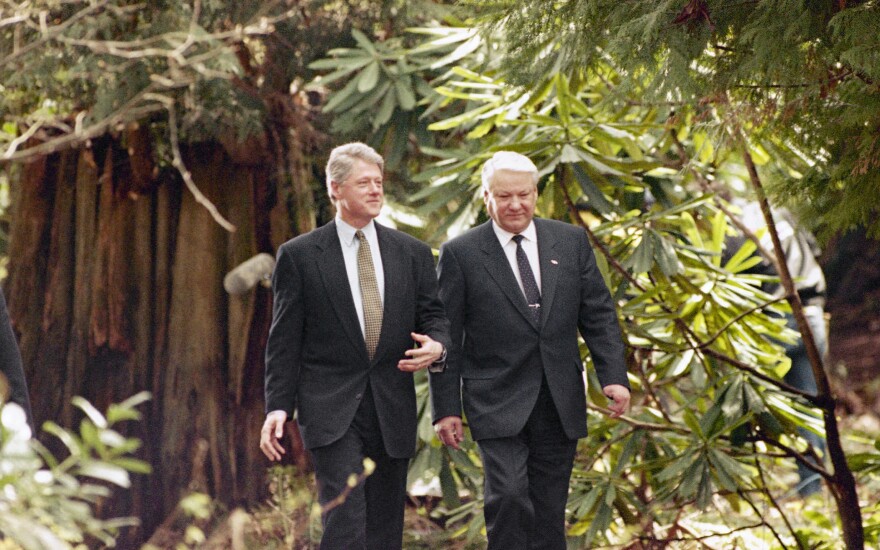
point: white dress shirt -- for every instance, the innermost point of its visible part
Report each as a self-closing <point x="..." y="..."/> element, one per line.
<point x="529" y="244"/>
<point x="350" y="246"/>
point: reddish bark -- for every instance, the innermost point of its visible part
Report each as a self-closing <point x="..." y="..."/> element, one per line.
<point x="115" y="287"/>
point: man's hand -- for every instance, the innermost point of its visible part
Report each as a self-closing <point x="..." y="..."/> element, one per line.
<point x="450" y="431"/>
<point x="619" y="396"/>
<point x="429" y="350"/>
<point x="273" y="429"/>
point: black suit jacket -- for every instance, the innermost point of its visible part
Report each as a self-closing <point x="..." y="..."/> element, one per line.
<point x="10" y="362"/>
<point x="316" y="358"/>
<point x="496" y="342"/>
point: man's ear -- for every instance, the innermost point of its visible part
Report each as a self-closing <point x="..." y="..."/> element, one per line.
<point x="333" y="188"/>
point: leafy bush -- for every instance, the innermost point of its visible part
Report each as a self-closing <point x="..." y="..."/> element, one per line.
<point x="708" y="451"/>
<point x="49" y="503"/>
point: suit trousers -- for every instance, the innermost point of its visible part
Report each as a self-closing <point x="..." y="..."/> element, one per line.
<point x="800" y="375"/>
<point x="526" y="481"/>
<point x="371" y="516"/>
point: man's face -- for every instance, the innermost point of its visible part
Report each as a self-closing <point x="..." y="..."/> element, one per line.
<point x="511" y="199"/>
<point x="359" y="198"/>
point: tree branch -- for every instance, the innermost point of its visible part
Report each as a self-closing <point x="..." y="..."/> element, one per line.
<point x="843" y="485"/>
<point x="185" y="173"/>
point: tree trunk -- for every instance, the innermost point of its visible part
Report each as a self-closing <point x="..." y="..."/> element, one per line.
<point x="115" y="286"/>
<point x="843" y="484"/>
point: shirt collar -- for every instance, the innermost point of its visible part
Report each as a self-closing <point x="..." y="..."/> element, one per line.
<point x="347" y="233"/>
<point x="505" y="236"/>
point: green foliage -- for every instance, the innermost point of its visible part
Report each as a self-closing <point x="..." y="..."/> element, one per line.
<point x="71" y="71"/>
<point x="384" y="88"/>
<point x="384" y="81"/>
<point x="801" y="74"/>
<point x="49" y="503"/>
<point x="454" y="472"/>
<point x="288" y="495"/>
<point x="714" y="429"/>
<point x="120" y="62"/>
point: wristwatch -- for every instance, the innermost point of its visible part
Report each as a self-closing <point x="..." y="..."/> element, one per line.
<point x="439" y="365"/>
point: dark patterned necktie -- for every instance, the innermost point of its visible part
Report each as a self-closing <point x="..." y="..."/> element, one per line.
<point x="530" y="286"/>
<point x="370" y="296"/>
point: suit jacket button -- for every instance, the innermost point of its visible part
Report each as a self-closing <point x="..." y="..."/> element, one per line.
<point x="359" y="396"/>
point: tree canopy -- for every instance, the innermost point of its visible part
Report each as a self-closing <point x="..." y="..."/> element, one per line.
<point x="800" y="78"/>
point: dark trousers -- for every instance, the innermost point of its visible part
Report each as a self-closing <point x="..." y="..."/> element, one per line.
<point x="371" y="516"/>
<point x="526" y="482"/>
<point x="801" y="376"/>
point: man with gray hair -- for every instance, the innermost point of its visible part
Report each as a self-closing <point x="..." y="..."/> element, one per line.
<point x="516" y="290"/>
<point x="355" y="313"/>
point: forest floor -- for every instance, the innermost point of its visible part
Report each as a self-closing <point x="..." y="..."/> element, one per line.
<point x="295" y="525"/>
<point x="854" y="365"/>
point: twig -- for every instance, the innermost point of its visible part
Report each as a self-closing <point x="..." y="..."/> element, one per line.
<point x="701" y="537"/>
<point x="130" y="110"/>
<point x="56" y="30"/>
<point x="810" y="463"/>
<point x="766" y="492"/>
<point x="178" y="163"/>
<point x="643" y="425"/>
<point x="13" y="145"/>
<point x="341" y="497"/>
<point x="760" y="375"/>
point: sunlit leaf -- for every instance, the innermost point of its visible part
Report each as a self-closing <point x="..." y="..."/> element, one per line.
<point x="363" y="41"/>
<point x="368" y="77"/>
<point x="595" y="197"/>
<point x="643" y="258"/>
<point x="107" y="472"/>
<point x="94" y="415"/>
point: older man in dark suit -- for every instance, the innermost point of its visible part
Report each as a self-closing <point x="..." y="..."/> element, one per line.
<point x="356" y="312"/>
<point x="516" y="291"/>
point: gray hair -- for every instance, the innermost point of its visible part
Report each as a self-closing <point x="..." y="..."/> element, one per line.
<point x="342" y="159"/>
<point x="507" y="160"/>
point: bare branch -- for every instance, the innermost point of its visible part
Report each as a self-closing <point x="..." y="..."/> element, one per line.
<point x="766" y="492"/>
<point x="720" y="332"/>
<point x="56" y="30"/>
<point x="185" y="173"/>
<point x="21" y="139"/>
<point x="703" y="537"/>
<point x="643" y="425"/>
<point x="843" y="485"/>
<point x="810" y="462"/>
<point x="131" y="110"/>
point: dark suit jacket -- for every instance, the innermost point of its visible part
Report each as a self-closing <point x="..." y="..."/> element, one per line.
<point x="496" y="344"/>
<point x="10" y="362"/>
<point x="316" y="358"/>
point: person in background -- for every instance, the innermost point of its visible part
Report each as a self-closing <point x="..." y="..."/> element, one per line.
<point x="516" y="290"/>
<point x="10" y="364"/>
<point x="801" y="253"/>
<point x="355" y="313"/>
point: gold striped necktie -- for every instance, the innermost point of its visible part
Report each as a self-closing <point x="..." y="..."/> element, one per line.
<point x="370" y="296"/>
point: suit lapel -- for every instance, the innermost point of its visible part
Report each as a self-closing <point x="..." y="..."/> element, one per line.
<point x="393" y="265"/>
<point x="548" y="258"/>
<point x="332" y="267"/>
<point x="501" y="272"/>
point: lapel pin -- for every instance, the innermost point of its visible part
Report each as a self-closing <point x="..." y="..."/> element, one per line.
<point x="554" y="262"/>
